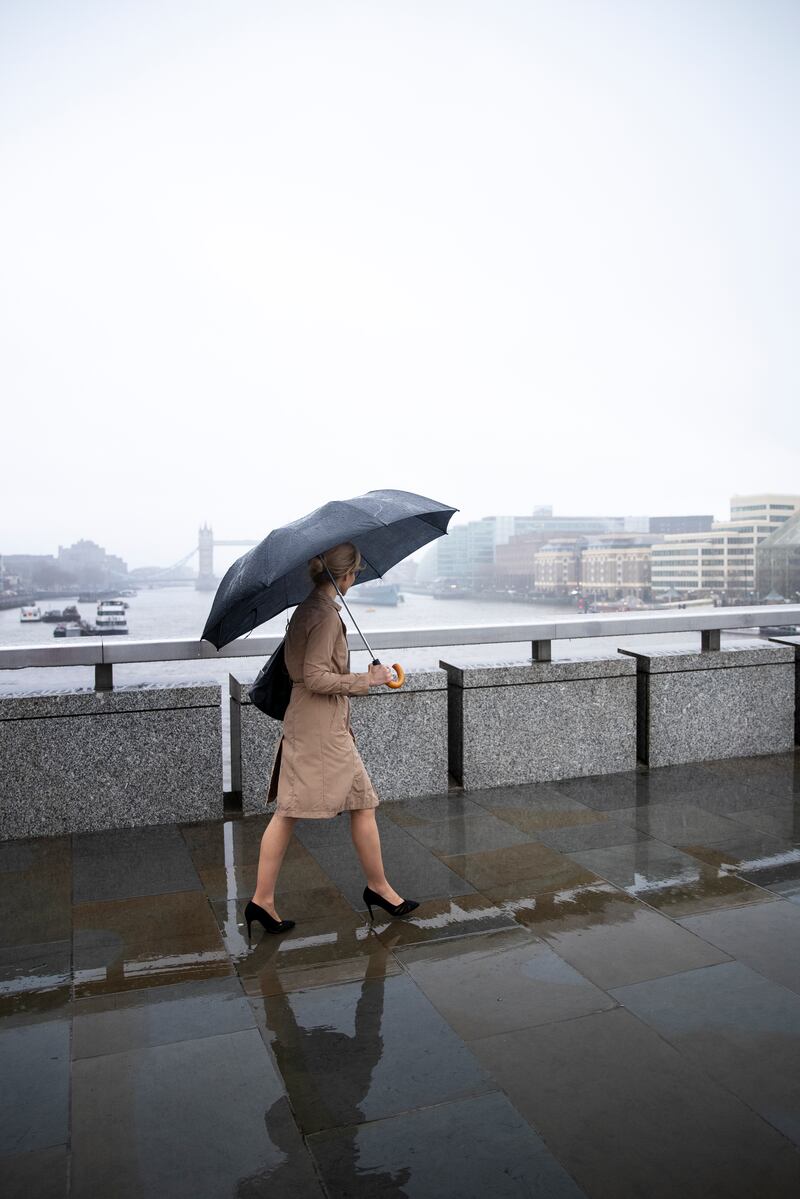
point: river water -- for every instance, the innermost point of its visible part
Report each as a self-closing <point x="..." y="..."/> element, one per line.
<point x="180" y="612"/>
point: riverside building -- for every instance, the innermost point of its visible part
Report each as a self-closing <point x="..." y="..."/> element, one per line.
<point x="723" y="559"/>
<point x="498" y="551"/>
<point x="616" y="567"/>
<point x="557" y="566"/>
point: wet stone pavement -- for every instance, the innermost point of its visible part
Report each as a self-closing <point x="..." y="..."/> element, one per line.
<point x="598" y="996"/>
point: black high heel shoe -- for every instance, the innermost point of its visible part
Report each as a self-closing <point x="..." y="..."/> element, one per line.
<point x="254" y="912"/>
<point x="394" y="909"/>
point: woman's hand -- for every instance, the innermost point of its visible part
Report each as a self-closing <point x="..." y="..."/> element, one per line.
<point x="379" y="674"/>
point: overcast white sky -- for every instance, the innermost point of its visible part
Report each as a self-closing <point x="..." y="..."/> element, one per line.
<point x="254" y="256"/>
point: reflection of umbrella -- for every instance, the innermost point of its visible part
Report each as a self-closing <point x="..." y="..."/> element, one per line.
<point x="386" y="526"/>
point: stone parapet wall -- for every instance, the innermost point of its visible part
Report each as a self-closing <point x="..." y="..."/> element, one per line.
<point x="534" y="722"/>
<point x="81" y="761"/>
<point x="726" y="703"/>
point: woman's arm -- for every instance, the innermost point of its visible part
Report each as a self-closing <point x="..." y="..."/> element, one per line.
<point x="318" y="674"/>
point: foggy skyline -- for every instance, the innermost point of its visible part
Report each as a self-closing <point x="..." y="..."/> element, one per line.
<point x="501" y="254"/>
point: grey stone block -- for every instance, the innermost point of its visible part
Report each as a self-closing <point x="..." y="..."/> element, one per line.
<point x="83" y="761"/>
<point x="795" y="647"/>
<point x="728" y="703"/>
<point x="401" y="737"/>
<point x="538" y="721"/>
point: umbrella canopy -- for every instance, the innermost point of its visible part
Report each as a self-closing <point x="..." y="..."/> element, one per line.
<point x="386" y="526"/>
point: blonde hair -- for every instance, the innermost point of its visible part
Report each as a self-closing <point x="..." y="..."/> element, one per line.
<point x="340" y="560"/>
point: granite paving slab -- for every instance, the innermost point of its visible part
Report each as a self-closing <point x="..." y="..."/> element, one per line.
<point x="191" y="1119"/>
<point x="678" y="824"/>
<point x="35" y="904"/>
<point x="594" y="835"/>
<point x="34" y="979"/>
<point x="362" y="1051"/>
<point x="425" y="810"/>
<point x="754" y="856"/>
<point x="500" y="981"/>
<point x="117" y="1023"/>
<point x="40" y="1174"/>
<point x="534" y="812"/>
<point x="612" y="938"/>
<point x="776" y="774"/>
<point x="34" y="1097"/>
<point x="737" y="1026"/>
<point x="627" y="1115"/>
<point x="665" y="784"/>
<point x="765" y="937"/>
<point x="118" y="863"/>
<point x="472" y="1148"/>
<point x="146" y="940"/>
<point x="491" y="870"/>
<point x="781" y="819"/>
<point x="668" y="880"/>
<point x="467" y="834"/>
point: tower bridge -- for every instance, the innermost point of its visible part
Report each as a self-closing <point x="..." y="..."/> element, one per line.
<point x="205" y="580"/>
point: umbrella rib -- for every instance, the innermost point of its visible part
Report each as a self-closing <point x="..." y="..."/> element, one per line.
<point x="366" y="559"/>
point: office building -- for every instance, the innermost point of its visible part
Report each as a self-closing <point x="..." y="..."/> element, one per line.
<point x="778" y="563"/>
<point x="722" y="560"/>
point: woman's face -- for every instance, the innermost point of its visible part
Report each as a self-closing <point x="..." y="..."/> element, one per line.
<point x="348" y="580"/>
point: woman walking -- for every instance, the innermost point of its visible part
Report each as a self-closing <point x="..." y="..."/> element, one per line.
<point x="318" y="772"/>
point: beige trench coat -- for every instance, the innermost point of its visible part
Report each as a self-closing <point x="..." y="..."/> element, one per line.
<point x="317" y="770"/>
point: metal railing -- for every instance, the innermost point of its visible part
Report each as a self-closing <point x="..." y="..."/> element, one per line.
<point x="105" y="653"/>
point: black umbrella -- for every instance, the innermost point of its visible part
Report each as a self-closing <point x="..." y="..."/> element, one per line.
<point x="386" y="526"/>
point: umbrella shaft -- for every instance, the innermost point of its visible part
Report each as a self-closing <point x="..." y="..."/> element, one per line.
<point x="350" y="614"/>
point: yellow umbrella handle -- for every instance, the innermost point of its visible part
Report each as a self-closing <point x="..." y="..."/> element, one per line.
<point x="401" y="676"/>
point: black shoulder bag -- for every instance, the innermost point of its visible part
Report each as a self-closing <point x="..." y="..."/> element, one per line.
<point x="272" y="688"/>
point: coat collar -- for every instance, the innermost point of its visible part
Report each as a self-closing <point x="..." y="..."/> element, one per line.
<point x="325" y="599"/>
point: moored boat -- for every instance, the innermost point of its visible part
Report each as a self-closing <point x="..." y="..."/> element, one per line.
<point x="111" y="618"/>
<point x="30" y="614"/>
<point x="70" y="630"/>
<point x="69" y="614"/>
<point x="374" y="592"/>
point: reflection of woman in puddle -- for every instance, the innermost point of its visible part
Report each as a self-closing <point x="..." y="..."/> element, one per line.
<point x="328" y="1075"/>
<point x="317" y="771"/>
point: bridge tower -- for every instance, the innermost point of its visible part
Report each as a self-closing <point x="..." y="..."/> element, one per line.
<point x="206" y="580"/>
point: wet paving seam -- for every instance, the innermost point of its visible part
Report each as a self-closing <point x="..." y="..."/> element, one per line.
<point x="688" y="1059"/>
<point x="657" y="842"/>
<point x="695" y="1064"/>
<point x="554" y="944"/>
<point x="614" y="1006"/>
<point x="750" y="901"/>
<point x="316" y="1140"/>
<point x="467" y="1042"/>
<point x="422" y="1107"/>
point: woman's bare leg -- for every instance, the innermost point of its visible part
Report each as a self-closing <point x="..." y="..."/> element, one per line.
<point x="367" y="840"/>
<point x="274" y="843"/>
